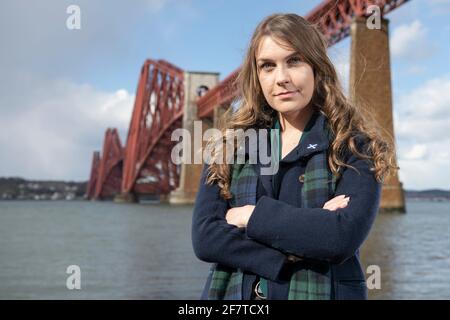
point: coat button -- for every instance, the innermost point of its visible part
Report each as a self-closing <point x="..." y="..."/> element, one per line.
<point x="301" y="178"/>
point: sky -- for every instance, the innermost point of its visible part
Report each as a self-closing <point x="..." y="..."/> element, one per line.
<point x="60" y="88"/>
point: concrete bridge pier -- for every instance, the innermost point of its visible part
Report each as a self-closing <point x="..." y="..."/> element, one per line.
<point x="370" y="88"/>
<point x="194" y="84"/>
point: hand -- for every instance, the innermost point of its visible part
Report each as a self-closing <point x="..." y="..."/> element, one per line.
<point x="293" y="259"/>
<point x="336" y="203"/>
<point x="239" y="216"/>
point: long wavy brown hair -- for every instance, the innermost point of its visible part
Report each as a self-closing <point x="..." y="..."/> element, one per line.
<point x="345" y="120"/>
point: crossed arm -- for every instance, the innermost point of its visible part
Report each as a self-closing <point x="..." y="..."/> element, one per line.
<point x="262" y="242"/>
<point x="216" y="241"/>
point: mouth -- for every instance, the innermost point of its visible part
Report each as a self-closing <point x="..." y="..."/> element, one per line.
<point x="287" y="94"/>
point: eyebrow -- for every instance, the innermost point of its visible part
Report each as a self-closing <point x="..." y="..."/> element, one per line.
<point x="289" y="56"/>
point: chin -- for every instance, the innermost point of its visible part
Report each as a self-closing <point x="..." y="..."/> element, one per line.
<point x="286" y="109"/>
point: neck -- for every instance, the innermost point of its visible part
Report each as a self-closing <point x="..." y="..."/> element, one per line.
<point x="295" y="121"/>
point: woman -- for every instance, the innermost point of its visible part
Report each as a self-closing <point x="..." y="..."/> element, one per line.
<point x="295" y="234"/>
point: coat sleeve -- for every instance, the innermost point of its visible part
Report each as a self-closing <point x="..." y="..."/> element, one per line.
<point x="216" y="241"/>
<point x="317" y="233"/>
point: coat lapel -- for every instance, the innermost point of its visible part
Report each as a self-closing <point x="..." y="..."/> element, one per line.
<point x="315" y="140"/>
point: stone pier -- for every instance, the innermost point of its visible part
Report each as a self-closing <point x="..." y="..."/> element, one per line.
<point x="194" y="83"/>
<point x="370" y="87"/>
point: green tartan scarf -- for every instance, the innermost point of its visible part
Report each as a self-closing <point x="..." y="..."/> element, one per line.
<point x="319" y="185"/>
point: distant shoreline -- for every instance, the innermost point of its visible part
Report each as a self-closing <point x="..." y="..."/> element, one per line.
<point x="21" y="189"/>
<point x="35" y="190"/>
<point x="437" y="195"/>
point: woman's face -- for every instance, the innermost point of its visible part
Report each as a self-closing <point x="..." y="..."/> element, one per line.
<point x="281" y="70"/>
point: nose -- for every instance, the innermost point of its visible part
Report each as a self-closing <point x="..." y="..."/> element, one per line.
<point x="282" y="77"/>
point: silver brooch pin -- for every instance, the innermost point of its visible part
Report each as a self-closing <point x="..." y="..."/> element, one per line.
<point x="312" y="146"/>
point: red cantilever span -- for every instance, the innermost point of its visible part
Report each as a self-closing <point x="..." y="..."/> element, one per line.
<point x="158" y="111"/>
<point x="110" y="168"/>
<point x="94" y="175"/>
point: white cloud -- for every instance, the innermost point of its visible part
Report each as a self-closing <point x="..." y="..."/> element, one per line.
<point x="415" y="70"/>
<point x="410" y="41"/>
<point x="49" y="122"/>
<point x="343" y="71"/>
<point x="422" y="123"/>
<point x="54" y="128"/>
<point x="431" y="101"/>
<point x="340" y="56"/>
<point x="417" y="152"/>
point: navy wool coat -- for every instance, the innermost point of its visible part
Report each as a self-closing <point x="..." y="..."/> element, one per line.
<point x="320" y="235"/>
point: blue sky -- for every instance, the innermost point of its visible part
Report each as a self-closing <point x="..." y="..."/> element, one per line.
<point x="60" y="89"/>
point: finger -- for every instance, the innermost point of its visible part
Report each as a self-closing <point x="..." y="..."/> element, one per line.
<point x="334" y="206"/>
<point x="330" y="206"/>
<point x="337" y="200"/>
<point x="343" y="205"/>
<point x="334" y="200"/>
<point x="343" y="202"/>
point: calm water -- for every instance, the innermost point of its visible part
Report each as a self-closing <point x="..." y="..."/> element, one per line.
<point x="143" y="251"/>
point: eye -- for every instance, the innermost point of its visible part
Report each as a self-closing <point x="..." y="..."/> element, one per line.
<point x="264" y="65"/>
<point x="268" y="65"/>
<point x="295" y="60"/>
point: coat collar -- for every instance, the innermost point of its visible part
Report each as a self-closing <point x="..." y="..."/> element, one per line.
<point x="315" y="140"/>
